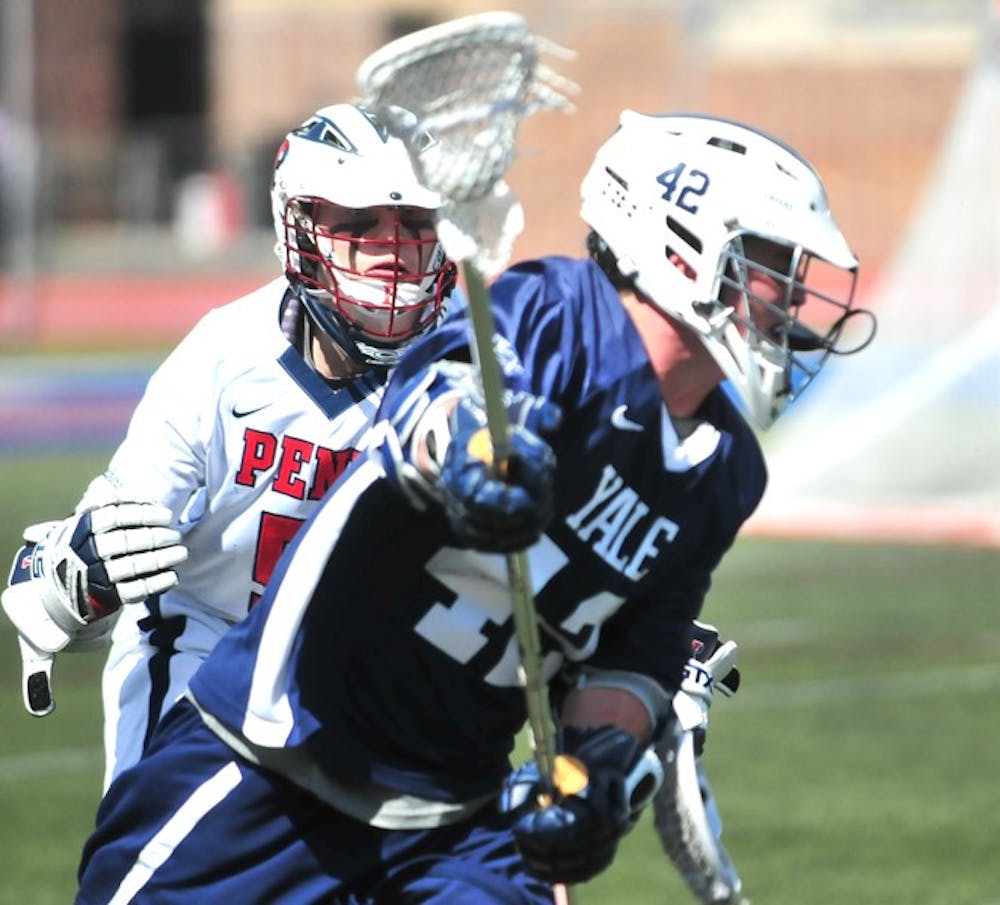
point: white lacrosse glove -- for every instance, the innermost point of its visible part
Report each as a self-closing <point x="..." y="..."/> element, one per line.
<point x="73" y="576"/>
<point x="710" y="667"/>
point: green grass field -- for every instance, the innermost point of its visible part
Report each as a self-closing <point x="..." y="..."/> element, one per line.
<point x="857" y="764"/>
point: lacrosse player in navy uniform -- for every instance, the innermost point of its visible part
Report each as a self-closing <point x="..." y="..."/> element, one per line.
<point x="349" y="741"/>
<point x="240" y="432"/>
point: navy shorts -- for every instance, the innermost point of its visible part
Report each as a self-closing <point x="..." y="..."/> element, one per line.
<point x="194" y="822"/>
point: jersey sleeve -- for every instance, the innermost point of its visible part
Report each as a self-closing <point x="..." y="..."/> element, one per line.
<point x="650" y="635"/>
<point x="163" y="455"/>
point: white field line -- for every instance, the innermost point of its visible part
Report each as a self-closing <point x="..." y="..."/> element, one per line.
<point x="768" y="634"/>
<point x="37" y="764"/>
<point x="885" y="686"/>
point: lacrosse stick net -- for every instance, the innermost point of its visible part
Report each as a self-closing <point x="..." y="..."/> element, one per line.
<point x="456" y="93"/>
<point x="687" y="822"/>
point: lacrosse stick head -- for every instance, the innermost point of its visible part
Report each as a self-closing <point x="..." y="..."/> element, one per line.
<point x="688" y="825"/>
<point x="456" y="94"/>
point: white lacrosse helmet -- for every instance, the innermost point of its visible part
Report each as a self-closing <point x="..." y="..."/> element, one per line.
<point x="343" y="158"/>
<point x="688" y="208"/>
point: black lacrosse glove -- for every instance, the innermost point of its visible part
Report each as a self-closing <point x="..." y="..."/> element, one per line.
<point x="607" y="776"/>
<point x="499" y="510"/>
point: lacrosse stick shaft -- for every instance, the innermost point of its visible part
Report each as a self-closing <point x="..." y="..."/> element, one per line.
<point x="481" y="318"/>
<point x="467" y="84"/>
<point x="536" y="690"/>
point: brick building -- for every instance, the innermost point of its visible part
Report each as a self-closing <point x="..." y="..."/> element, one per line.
<point x="130" y="98"/>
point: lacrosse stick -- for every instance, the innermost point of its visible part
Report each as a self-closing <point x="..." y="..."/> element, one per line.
<point x="688" y="824"/>
<point x="456" y="93"/>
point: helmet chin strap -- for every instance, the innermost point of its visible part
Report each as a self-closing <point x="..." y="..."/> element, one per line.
<point x="321" y="317"/>
<point x="349" y="339"/>
<point x="326" y="358"/>
<point x="800" y="337"/>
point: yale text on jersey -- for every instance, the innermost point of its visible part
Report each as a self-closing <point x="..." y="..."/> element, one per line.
<point x="618" y="526"/>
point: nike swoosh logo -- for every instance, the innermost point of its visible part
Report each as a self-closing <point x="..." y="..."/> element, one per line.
<point x="242" y="413"/>
<point x="623" y="423"/>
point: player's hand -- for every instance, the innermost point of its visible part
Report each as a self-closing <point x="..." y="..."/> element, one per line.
<point x="604" y="777"/>
<point x="710" y="668"/>
<point x="71" y="577"/>
<point x="502" y="509"/>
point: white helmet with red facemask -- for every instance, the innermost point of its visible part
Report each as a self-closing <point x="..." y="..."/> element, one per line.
<point x="356" y="237"/>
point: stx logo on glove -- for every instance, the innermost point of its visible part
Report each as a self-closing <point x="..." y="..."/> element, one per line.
<point x="696" y="674"/>
<point x="33" y="558"/>
<point x="21" y="569"/>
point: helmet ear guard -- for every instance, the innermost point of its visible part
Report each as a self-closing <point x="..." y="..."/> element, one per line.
<point x="695" y="212"/>
<point x="342" y="160"/>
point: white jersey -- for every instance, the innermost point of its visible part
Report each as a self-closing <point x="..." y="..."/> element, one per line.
<point x="240" y="438"/>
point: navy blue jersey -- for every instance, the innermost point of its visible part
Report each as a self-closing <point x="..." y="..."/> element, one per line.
<point x="388" y="652"/>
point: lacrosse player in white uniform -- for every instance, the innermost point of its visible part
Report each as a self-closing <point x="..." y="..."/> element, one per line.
<point x="240" y="432"/>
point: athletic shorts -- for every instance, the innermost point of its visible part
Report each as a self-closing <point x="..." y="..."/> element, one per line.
<point x="156" y="647"/>
<point x="194" y="822"/>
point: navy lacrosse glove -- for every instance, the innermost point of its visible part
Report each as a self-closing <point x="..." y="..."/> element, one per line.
<point x="489" y="511"/>
<point x="575" y="837"/>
